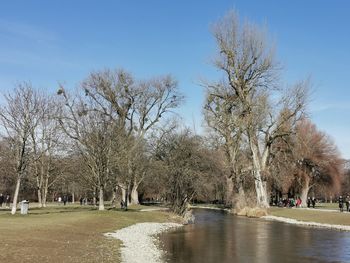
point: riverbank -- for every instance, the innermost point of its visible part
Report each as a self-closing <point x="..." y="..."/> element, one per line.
<point x="326" y="216"/>
<point x="311" y="217"/>
<point x="140" y="242"/>
<point x="69" y="233"/>
<point x="308" y="224"/>
<point x="212" y="207"/>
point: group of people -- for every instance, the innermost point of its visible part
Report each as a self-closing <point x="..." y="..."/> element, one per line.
<point x="341" y="202"/>
<point x="63" y="199"/>
<point x="294" y="202"/>
<point x="290" y="202"/>
<point x="83" y="200"/>
<point x="311" y="202"/>
<point x="5" y="200"/>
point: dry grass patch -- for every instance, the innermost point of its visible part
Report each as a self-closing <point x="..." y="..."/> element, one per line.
<point x="67" y="234"/>
<point x="317" y="216"/>
<point x="251" y="212"/>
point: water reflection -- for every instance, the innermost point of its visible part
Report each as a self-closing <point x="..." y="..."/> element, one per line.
<point x="219" y="237"/>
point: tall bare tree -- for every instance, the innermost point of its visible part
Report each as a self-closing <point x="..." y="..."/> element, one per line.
<point x="223" y="116"/>
<point x="247" y="61"/>
<point x="19" y="117"/>
<point x="137" y="106"/>
<point x="92" y="131"/>
<point x="45" y="140"/>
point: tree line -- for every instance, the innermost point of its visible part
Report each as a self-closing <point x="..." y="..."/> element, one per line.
<point x="116" y="138"/>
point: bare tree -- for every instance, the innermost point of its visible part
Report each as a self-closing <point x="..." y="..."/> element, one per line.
<point x="92" y="131"/>
<point x="186" y="161"/>
<point x="45" y="140"/>
<point x="19" y="118"/>
<point x="247" y="60"/>
<point x="136" y="108"/>
<point x="7" y="162"/>
<point x="222" y="116"/>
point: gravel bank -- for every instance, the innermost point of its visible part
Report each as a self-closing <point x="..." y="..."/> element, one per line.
<point x="139" y="242"/>
<point x="304" y="223"/>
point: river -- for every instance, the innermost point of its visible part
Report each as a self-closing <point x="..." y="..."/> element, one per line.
<point x="219" y="237"/>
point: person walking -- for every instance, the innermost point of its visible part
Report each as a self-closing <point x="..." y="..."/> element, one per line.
<point x="308" y="202"/>
<point x="2" y="199"/>
<point x="347" y="203"/>
<point x="341" y="203"/>
<point x="313" y="201"/>
<point x="7" y="201"/>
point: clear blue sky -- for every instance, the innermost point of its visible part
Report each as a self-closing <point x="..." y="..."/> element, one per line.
<point x="47" y="42"/>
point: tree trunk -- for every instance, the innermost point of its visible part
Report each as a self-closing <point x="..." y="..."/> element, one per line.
<point x="15" y="196"/>
<point x="305" y="191"/>
<point x="73" y="198"/>
<point x="115" y="197"/>
<point x="229" y="191"/>
<point x="134" y="194"/>
<point x="94" y="197"/>
<point x="45" y="191"/>
<point x="101" y="205"/>
<point x="123" y="193"/>
<point x="39" y="197"/>
<point x="239" y="198"/>
<point x="261" y="194"/>
<point x="39" y="180"/>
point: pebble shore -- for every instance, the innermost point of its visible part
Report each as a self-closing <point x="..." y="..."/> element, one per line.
<point x="304" y="223"/>
<point x="139" y="242"/>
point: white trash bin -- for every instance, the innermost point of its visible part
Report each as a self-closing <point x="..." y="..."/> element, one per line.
<point x="24" y="207"/>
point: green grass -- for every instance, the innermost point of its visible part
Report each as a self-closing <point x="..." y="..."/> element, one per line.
<point x="312" y="215"/>
<point x="67" y="233"/>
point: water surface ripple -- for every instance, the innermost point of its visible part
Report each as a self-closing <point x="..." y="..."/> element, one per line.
<point x="221" y="237"/>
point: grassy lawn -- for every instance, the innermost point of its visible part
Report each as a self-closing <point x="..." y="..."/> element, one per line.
<point x="67" y="234"/>
<point x="332" y="206"/>
<point x="312" y="215"/>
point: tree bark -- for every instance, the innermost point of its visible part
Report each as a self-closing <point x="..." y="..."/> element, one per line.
<point x="261" y="194"/>
<point x="123" y="193"/>
<point x="101" y="205"/>
<point x="134" y="196"/>
<point x="239" y="198"/>
<point x="94" y="197"/>
<point x="39" y="198"/>
<point x="15" y="196"/>
<point x="305" y="191"/>
<point x="229" y="191"/>
<point x="45" y="190"/>
<point x="134" y="193"/>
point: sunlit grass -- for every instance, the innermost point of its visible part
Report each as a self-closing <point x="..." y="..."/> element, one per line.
<point x="312" y="215"/>
<point x="71" y="233"/>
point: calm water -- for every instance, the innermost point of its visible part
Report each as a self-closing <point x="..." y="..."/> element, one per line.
<point x="220" y="237"/>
